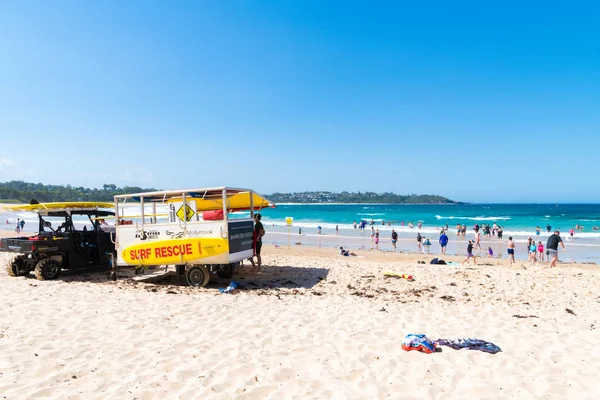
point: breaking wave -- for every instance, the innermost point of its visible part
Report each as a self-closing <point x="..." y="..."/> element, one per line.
<point x="480" y="218"/>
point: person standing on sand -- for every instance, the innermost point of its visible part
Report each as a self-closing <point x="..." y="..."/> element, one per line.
<point x="552" y="247"/>
<point x="259" y="232"/>
<point x="377" y="239"/>
<point x="478" y="239"/>
<point x="394" y="239"/>
<point x="470" y="253"/>
<point x="443" y="242"/>
<point x="533" y="250"/>
<point x="372" y="236"/>
<point x="499" y="233"/>
<point x="337" y="229"/>
<point x="18" y="228"/>
<point x="419" y="238"/>
<point x="540" y="250"/>
<point x="22" y="224"/>
<point x="511" y="250"/>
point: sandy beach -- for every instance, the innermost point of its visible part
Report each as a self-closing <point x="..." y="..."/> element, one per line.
<point x="313" y="325"/>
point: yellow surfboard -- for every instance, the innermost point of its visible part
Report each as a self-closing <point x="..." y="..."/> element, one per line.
<point x="174" y="251"/>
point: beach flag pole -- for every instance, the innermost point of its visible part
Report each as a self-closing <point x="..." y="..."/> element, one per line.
<point x="289" y="221"/>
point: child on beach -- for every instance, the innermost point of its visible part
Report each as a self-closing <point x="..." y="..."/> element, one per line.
<point x="540" y="249"/>
<point x="426" y="246"/>
<point x="533" y="252"/>
<point x="490" y="252"/>
<point x="346" y="253"/>
<point x="377" y="239"/>
<point x="470" y="253"/>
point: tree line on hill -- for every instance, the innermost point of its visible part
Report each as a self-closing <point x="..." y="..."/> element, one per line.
<point x="24" y="192"/>
<point x="358" y="197"/>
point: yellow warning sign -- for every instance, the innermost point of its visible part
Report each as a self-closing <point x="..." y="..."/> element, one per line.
<point x="289" y="221"/>
<point x="185" y="214"/>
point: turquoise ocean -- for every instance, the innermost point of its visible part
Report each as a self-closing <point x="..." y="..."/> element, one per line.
<point x="517" y="220"/>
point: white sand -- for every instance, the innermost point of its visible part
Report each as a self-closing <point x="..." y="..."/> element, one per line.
<point x="300" y="335"/>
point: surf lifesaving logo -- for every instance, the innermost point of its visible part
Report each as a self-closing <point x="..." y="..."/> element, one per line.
<point x="143" y="235"/>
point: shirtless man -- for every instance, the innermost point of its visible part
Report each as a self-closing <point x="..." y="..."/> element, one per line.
<point x="478" y="239"/>
<point x="511" y="250"/>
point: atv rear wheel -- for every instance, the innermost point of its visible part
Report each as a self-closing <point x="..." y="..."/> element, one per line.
<point x="47" y="269"/>
<point x="226" y="271"/>
<point x="17" y="266"/>
<point x="197" y="275"/>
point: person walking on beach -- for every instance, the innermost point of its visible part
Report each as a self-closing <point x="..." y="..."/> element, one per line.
<point x="18" y="228"/>
<point x="499" y="233"/>
<point x="511" y="250"/>
<point x="443" y="242"/>
<point x="540" y="250"/>
<point x="337" y="229"/>
<point x="377" y="239"/>
<point x="478" y="239"/>
<point x="533" y="252"/>
<point x="529" y="241"/>
<point x="394" y="239"/>
<point x="419" y="239"/>
<point x="22" y="223"/>
<point x="470" y="253"/>
<point x="372" y="236"/>
<point x="552" y="247"/>
<point x="259" y="232"/>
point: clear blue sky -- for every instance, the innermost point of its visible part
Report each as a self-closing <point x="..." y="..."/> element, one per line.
<point x="476" y="101"/>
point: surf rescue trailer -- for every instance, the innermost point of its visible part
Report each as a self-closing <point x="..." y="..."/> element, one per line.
<point x="189" y="228"/>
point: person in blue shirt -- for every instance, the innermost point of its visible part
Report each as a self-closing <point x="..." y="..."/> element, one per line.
<point x="443" y="242"/>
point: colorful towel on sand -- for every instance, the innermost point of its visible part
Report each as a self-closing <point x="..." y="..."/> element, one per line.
<point x="232" y="286"/>
<point x="418" y="342"/>
<point x="470" y="343"/>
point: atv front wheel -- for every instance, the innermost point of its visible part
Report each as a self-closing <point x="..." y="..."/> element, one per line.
<point x="17" y="266"/>
<point x="47" y="269"/>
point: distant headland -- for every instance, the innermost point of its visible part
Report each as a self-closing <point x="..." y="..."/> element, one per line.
<point x="23" y="192"/>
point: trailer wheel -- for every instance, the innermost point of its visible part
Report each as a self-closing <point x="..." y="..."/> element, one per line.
<point x="17" y="266"/>
<point x="226" y="271"/>
<point x="47" y="269"/>
<point x="197" y="275"/>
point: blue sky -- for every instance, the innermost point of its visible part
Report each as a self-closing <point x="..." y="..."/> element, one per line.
<point x="476" y="101"/>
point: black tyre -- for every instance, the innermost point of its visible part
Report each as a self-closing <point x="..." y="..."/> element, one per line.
<point x="47" y="269"/>
<point x="17" y="266"/>
<point x="197" y="275"/>
<point x="226" y="271"/>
